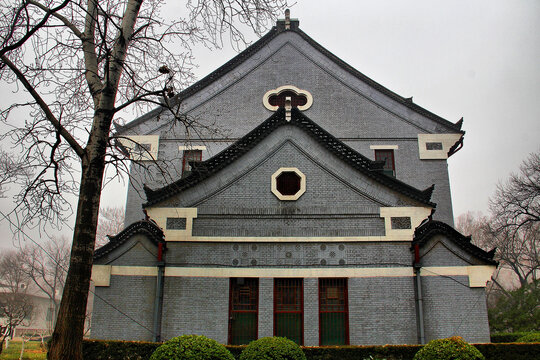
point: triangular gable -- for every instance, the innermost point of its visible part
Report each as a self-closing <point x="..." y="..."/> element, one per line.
<point x="431" y="228"/>
<point x="147" y="228"/>
<point x="370" y="168"/>
<point x="238" y="60"/>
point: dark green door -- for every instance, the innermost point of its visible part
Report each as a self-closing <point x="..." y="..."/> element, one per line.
<point x="333" y="312"/>
<point x="243" y="310"/>
<point x="289" y="309"/>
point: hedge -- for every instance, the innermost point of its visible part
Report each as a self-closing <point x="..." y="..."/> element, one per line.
<point x="507" y="337"/>
<point x="133" y="350"/>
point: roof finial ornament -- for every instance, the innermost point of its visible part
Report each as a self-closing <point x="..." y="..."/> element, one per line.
<point x="287" y="19"/>
<point x="288" y="108"/>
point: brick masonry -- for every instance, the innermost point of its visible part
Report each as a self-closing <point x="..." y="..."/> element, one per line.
<point x="382" y="310"/>
<point x="339" y="201"/>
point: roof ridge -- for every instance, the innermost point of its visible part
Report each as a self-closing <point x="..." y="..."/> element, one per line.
<point x="370" y="168"/>
<point x="148" y="227"/>
<point x="428" y="229"/>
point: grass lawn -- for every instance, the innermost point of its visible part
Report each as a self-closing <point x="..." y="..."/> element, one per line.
<point x="32" y="350"/>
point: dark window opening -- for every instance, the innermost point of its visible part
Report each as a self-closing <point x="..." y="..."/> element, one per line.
<point x="190" y="156"/>
<point x="288" y="183"/>
<point x="289" y="309"/>
<point x="387" y="156"/>
<point x="333" y="312"/>
<point x="176" y="223"/>
<point x="434" y="146"/>
<point x="243" y="310"/>
<point x="400" y="222"/>
<point x="279" y="100"/>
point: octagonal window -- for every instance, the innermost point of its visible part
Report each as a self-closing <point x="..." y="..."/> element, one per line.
<point x="288" y="183"/>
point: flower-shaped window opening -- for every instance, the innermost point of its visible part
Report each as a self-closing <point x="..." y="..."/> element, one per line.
<point x="296" y="99"/>
<point x="275" y="98"/>
<point x="288" y="183"/>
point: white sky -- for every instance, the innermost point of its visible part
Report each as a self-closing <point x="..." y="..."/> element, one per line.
<point x="477" y="59"/>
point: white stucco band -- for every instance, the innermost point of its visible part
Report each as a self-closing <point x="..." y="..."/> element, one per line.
<point x="141" y="147"/>
<point x="416" y="214"/>
<point x="101" y="275"/>
<point x="383" y="147"/>
<point x="478" y="274"/>
<point x="281" y="89"/>
<point x="160" y="215"/>
<point x="191" y="147"/>
<point x="446" y="142"/>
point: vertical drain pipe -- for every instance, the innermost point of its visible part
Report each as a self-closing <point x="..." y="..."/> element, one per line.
<point x="419" y="301"/>
<point x="158" y="300"/>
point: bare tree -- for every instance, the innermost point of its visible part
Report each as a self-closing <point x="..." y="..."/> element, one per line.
<point x="80" y="63"/>
<point x="15" y="304"/>
<point x="111" y="222"/>
<point x="515" y="222"/>
<point x="475" y="225"/>
<point x="516" y="203"/>
<point x="10" y="169"/>
<point x="46" y="266"/>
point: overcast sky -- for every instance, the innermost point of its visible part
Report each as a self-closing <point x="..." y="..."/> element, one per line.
<point x="462" y="58"/>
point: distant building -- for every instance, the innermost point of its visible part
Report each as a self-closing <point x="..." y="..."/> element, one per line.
<point x="305" y="210"/>
<point x="40" y="319"/>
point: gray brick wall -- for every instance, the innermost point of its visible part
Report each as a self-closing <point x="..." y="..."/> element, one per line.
<point x="266" y="307"/>
<point x="131" y="318"/>
<point x="452" y="308"/>
<point x="196" y="306"/>
<point x="365" y="254"/>
<point x="382" y="311"/>
<point x="311" y="312"/>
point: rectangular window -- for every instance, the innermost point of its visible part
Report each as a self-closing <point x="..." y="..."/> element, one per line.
<point x="387" y="155"/>
<point x="190" y="156"/>
<point x="289" y="309"/>
<point x="243" y="310"/>
<point x="333" y="312"/>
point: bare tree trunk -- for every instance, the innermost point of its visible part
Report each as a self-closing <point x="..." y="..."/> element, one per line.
<point x="69" y="330"/>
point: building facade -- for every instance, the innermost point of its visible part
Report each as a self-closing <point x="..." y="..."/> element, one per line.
<point x="305" y="208"/>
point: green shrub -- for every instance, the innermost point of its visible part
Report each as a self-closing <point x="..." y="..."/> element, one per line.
<point x="191" y="347"/>
<point x="507" y="337"/>
<point x="272" y="348"/>
<point x="532" y="337"/>
<point x="454" y="348"/>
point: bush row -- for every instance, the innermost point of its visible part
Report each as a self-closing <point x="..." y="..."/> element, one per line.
<point x="507" y="337"/>
<point x="133" y="350"/>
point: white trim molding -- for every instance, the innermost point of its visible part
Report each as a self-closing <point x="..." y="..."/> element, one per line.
<point x="441" y="145"/>
<point x="383" y="147"/>
<point x="415" y="214"/>
<point x="284" y="88"/>
<point x="191" y="147"/>
<point x="279" y="195"/>
<point x="160" y="215"/>
<point x="141" y="147"/>
<point x="478" y="274"/>
<point x="101" y="275"/>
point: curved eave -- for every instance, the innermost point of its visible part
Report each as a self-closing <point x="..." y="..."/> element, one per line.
<point x="145" y="227"/>
<point x="370" y="168"/>
<point x="247" y="53"/>
<point x="431" y="228"/>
